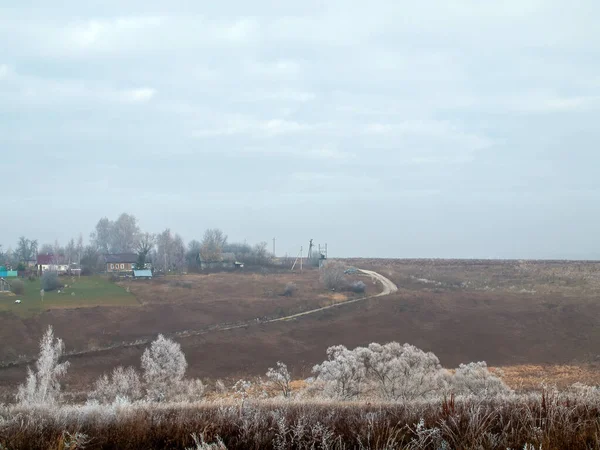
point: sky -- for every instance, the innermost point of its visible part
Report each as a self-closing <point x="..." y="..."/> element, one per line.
<point x="461" y="129"/>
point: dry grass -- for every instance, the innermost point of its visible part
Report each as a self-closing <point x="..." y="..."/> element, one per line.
<point x="548" y="421"/>
<point x="533" y="377"/>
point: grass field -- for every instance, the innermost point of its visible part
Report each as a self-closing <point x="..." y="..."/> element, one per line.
<point x="81" y="292"/>
<point x="536" y="320"/>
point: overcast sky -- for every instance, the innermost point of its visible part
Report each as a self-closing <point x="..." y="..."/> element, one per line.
<point x="384" y="128"/>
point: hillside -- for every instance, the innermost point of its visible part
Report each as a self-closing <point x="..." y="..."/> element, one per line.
<point x="508" y="313"/>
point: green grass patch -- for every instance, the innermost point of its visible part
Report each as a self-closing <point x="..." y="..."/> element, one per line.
<point x="80" y="292"/>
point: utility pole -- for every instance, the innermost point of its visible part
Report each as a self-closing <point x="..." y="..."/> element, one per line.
<point x="273" y="246"/>
<point x="300" y="259"/>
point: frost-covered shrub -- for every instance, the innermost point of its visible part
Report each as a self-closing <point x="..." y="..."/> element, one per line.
<point x="475" y="379"/>
<point x="402" y="372"/>
<point x="391" y="372"/>
<point x="343" y="373"/>
<point x="280" y="377"/>
<point x="50" y="281"/>
<point x="42" y="387"/>
<point x="122" y="383"/>
<point x="187" y="391"/>
<point x="584" y="392"/>
<point x="220" y="387"/>
<point x="163" y="366"/>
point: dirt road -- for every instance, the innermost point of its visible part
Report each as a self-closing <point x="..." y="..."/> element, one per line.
<point x="388" y="288"/>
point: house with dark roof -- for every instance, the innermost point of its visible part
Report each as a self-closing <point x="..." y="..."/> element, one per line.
<point x="120" y="262"/>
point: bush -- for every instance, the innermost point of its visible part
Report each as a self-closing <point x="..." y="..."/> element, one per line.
<point x="358" y="287"/>
<point x="50" y="281"/>
<point x="17" y="287"/>
<point x="289" y="290"/>
<point x="332" y="276"/>
<point x="123" y="383"/>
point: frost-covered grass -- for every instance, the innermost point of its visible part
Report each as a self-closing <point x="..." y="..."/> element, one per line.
<point x="548" y="421"/>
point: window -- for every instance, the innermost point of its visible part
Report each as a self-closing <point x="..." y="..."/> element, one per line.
<point x="122" y="266"/>
<point x="112" y="266"/>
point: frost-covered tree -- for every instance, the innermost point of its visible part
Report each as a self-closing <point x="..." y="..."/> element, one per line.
<point x="343" y="373"/>
<point x="401" y="372"/>
<point x="280" y="377"/>
<point x="476" y="379"/>
<point x="163" y="366"/>
<point x="392" y="372"/>
<point x="122" y="383"/>
<point x="42" y="387"/>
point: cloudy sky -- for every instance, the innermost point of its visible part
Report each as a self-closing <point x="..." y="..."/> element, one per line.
<point x="384" y="128"/>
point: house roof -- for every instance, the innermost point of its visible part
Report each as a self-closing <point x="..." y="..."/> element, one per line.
<point x="142" y="273"/>
<point x="45" y="259"/>
<point x="120" y="258"/>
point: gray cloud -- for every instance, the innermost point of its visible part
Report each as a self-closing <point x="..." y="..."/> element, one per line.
<point x="387" y="129"/>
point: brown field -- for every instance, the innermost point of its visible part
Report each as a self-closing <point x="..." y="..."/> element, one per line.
<point x="537" y="321"/>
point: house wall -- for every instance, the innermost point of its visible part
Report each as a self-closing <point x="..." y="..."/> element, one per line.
<point x="60" y="268"/>
<point x="213" y="265"/>
<point x="119" y="267"/>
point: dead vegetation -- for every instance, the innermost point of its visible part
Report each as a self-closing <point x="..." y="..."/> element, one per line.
<point x="541" y="421"/>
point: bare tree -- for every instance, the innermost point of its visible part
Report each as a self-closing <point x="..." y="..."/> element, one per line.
<point x="193" y="254"/>
<point x="120" y="236"/>
<point x="332" y="275"/>
<point x="144" y="246"/>
<point x="26" y="249"/>
<point x="79" y="249"/>
<point x="178" y="254"/>
<point x="43" y="385"/>
<point x="170" y="252"/>
<point x="101" y="237"/>
<point x="91" y="260"/>
<point x="281" y="378"/>
<point x="125" y="234"/>
<point x="46" y="249"/>
<point x="70" y="251"/>
<point x="212" y="244"/>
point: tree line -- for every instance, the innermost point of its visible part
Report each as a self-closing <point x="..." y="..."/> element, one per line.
<point x="165" y="251"/>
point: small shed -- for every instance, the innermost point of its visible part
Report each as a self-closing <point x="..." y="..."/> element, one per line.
<point x="8" y="274"/>
<point x="143" y="274"/>
<point x="4" y="285"/>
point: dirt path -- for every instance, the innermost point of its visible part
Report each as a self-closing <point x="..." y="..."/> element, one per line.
<point x="388" y="288"/>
